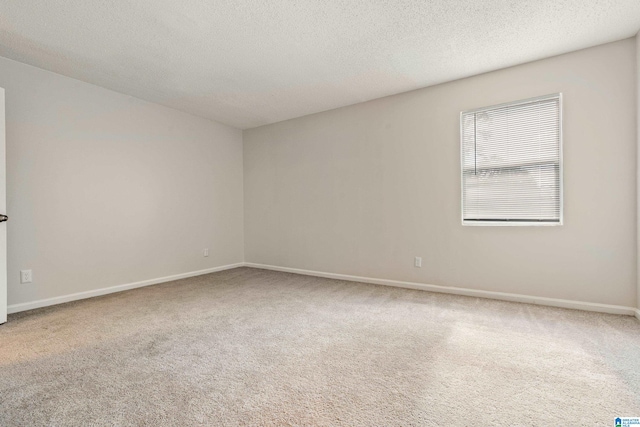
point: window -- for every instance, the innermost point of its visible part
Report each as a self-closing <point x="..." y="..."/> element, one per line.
<point x="511" y="157"/>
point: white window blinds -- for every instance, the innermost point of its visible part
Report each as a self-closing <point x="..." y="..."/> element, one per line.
<point x="511" y="163"/>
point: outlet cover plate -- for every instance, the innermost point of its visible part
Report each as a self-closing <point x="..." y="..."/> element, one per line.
<point x="26" y="276"/>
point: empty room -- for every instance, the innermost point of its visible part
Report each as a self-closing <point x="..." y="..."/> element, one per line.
<point x="319" y="213"/>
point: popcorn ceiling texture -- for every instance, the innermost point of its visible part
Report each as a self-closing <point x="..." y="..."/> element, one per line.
<point x="260" y="348"/>
<point x="249" y="63"/>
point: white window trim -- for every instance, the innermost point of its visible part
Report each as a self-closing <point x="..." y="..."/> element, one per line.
<point x="515" y="223"/>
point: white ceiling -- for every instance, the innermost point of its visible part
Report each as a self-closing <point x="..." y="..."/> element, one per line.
<point x="249" y="63"/>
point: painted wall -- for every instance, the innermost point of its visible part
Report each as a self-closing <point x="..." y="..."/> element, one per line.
<point x="363" y="189"/>
<point x="638" y="154"/>
<point x="105" y="189"/>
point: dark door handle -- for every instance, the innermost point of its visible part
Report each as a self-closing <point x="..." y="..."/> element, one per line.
<point x="4" y="218"/>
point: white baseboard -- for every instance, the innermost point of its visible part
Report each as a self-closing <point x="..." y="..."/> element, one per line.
<point x="15" y="308"/>
<point x="552" y="302"/>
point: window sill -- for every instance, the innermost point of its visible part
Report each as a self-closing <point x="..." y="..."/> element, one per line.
<point x="510" y="224"/>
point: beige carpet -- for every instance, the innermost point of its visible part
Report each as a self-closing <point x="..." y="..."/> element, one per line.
<point x="253" y="347"/>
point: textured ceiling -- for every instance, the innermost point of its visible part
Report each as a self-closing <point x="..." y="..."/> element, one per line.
<point x="248" y="63"/>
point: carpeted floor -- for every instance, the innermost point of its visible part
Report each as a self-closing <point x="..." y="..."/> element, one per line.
<point x="254" y="347"/>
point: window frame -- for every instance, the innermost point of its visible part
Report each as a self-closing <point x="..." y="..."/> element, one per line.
<point x="515" y="223"/>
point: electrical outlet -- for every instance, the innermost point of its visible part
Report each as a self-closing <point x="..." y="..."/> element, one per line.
<point x="417" y="262"/>
<point x="26" y="276"/>
<point x="205" y="252"/>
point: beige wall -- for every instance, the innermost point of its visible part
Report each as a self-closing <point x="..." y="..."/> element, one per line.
<point x="363" y="189"/>
<point x="638" y="152"/>
<point x="105" y="189"/>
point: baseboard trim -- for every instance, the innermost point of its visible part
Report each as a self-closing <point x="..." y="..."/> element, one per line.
<point x="528" y="299"/>
<point x="552" y="302"/>
<point x="15" y="308"/>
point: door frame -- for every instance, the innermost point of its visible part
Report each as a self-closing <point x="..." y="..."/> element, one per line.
<point x="3" y="209"/>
